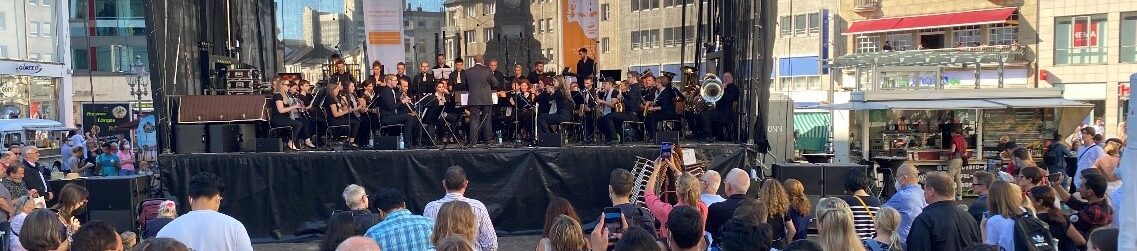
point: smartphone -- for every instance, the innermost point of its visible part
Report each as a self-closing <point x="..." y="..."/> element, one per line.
<point x="40" y="202"/>
<point x="665" y="150"/>
<point x="986" y="215"/>
<point x="612" y="220"/>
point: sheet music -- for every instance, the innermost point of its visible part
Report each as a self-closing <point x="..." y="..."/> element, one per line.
<point x="493" y="97"/>
<point x="464" y="98"/>
<point x="689" y="157"/>
<point x="442" y="73"/>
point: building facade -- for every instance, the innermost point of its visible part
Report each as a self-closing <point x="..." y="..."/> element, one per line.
<point x="516" y="32"/>
<point x="1091" y="54"/>
<point x="608" y="56"/>
<point x="337" y="31"/>
<point x="805" y="40"/>
<point x="653" y="34"/>
<point x="35" y="81"/>
<point x="108" y="38"/>
<point x="420" y="30"/>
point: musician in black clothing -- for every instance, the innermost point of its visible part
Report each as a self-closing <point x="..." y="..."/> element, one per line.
<point x="523" y="103"/>
<point x="423" y="82"/>
<point x="440" y="110"/>
<point x="440" y="62"/>
<point x="316" y="101"/>
<point x="535" y="75"/>
<point x="342" y="109"/>
<point x="370" y="118"/>
<point x="375" y="79"/>
<point x="662" y="104"/>
<point x="394" y="109"/>
<point x="458" y="76"/>
<point x="723" y="109"/>
<point x="288" y="111"/>
<point x="339" y="73"/>
<point x="557" y="95"/>
<point x="585" y="67"/>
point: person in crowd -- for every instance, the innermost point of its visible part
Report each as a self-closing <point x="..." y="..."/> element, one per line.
<point x="1055" y="156"/>
<point x="25" y="207"/>
<point x="1005" y="205"/>
<point x="685" y="229"/>
<point x="1046" y="202"/>
<point x="455" y="218"/>
<point x="1109" y="163"/>
<point x="7" y="158"/>
<point x="908" y="200"/>
<point x="737" y="183"/>
<point x="557" y="207"/>
<point x="941" y="225"/>
<point x="161" y="244"/>
<point x="96" y="236"/>
<point x="1095" y="211"/>
<point x="36" y="175"/>
<point x="1104" y="239"/>
<point x="686" y="187"/>
<point x="1088" y="153"/>
<point x="453" y="243"/>
<point x="71" y="198"/>
<point x="620" y="184"/>
<point x="565" y="234"/>
<point x="358" y="243"/>
<point x="956" y="155"/>
<point x="836" y="231"/>
<point x="109" y="163"/>
<point x="778" y="217"/>
<point x="886" y="239"/>
<point x="803" y="245"/>
<point x="980" y="184"/>
<point x="78" y="165"/>
<point x="42" y="231"/>
<point x="129" y="240"/>
<point x="6" y="208"/>
<point x="355" y="197"/>
<point x="751" y="210"/>
<point x="126" y="157"/>
<point x="983" y="247"/>
<point x="400" y="230"/>
<point x="455" y="183"/>
<point x="1021" y="157"/>
<point x="1029" y="177"/>
<point x="829" y="203"/>
<point x="710" y="182"/>
<point x="14" y="182"/>
<point x="861" y="203"/>
<point x="799" y="207"/>
<point x="740" y="235"/>
<point x="167" y="211"/>
<point x="340" y="227"/>
<point x="204" y="228"/>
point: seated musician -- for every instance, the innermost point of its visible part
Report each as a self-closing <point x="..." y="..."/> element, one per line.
<point x="522" y="100"/>
<point x="342" y="110"/>
<point x="315" y="99"/>
<point x="368" y="120"/>
<point x="609" y="116"/>
<point x="723" y="109"/>
<point x="394" y="108"/>
<point x="440" y="111"/>
<point x="288" y="111"/>
<point x="556" y="97"/>
<point x="662" y="106"/>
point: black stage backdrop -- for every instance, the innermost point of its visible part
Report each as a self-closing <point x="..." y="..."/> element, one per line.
<point x="278" y="194"/>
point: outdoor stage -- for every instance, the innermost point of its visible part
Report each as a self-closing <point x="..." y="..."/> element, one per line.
<point x="279" y="194"/>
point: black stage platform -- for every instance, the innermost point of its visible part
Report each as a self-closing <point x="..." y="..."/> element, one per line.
<point x="279" y="194"/>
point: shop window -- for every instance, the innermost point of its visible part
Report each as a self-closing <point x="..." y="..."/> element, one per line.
<point x="1080" y="39"/>
<point x="786" y="25"/>
<point x="899" y="42"/>
<point x="1129" y="37"/>
<point x="1002" y="34"/>
<point x="868" y="44"/>
<point x="967" y="37"/>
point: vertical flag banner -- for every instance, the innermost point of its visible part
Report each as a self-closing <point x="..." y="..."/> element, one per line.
<point x="581" y="19"/>
<point x="384" y="28"/>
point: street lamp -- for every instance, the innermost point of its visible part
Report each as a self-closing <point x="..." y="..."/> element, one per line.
<point x="139" y="80"/>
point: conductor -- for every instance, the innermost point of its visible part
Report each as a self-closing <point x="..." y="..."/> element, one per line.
<point x="481" y="84"/>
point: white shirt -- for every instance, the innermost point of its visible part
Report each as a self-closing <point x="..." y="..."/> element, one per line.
<point x="1000" y="232"/>
<point x="208" y="230"/>
<point x="1087" y="155"/>
<point x="487" y="236"/>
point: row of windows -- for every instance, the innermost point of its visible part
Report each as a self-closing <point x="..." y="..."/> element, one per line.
<point x="806" y="24"/>
<point x="544" y="25"/>
<point x="964" y="36"/>
<point x="645" y="39"/>
<point x="638" y="5"/>
<point x="672" y="37"/>
<point x="798" y="83"/>
<point x="488" y="8"/>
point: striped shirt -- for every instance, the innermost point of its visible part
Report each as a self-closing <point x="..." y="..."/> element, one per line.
<point x="402" y="230"/>
<point x="487" y="236"/>
<point x="864" y="214"/>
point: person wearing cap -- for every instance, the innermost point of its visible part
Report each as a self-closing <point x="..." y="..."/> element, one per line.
<point x="167" y="211"/>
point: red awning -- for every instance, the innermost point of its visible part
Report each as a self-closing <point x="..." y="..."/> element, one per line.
<point x="941" y="20"/>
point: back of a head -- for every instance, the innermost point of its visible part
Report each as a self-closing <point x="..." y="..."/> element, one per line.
<point x="742" y="235"/>
<point x="738" y="180"/>
<point x="637" y="239"/>
<point x="795" y="192"/>
<point x="856" y="179"/>
<point x="205" y="185"/>
<point x="686" y="225"/>
<point x="752" y="210"/>
<point x="353" y="196"/>
<point x="982" y="247"/>
<point x="454" y="218"/>
<point x="1034" y="174"/>
<point x="558" y="207"/>
<point x="1104" y="239"/>
<point x="1096" y="183"/>
<point x="803" y="245"/>
<point x="775" y="197"/>
<point x="389" y="199"/>
<point x="161" y="244"/>
<point x="941" y="183"/>
<point x="888" y="220"/>
<point x="835" y="226"/>
<point x="358" y="243"/>
<point x="1022" y="153"/>
<point x="340" y="227"/>
<point x="566" y="234"/>
<point x="829" y="203"/>
<point x="712" y="179"/>
<point x="687" y="189"/>
<point x="622" y="181"/>
<point x="95" y="236"/>
<point x="1005" y="199"/>
<point x="41" y="231"/>
<point x="455" y="178"/>
<point x="454" y="243"/>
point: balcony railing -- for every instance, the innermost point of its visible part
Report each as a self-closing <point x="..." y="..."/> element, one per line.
<point x="1008" y="54"/>
<point x="863" y="6"/>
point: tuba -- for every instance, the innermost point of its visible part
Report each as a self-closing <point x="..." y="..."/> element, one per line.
<point x="691" y="89"/>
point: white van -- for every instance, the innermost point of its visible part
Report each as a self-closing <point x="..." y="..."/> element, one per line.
<point x="47" y="135"/>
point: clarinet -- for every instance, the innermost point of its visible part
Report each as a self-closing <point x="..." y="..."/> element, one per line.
<point x="293" y="101"/>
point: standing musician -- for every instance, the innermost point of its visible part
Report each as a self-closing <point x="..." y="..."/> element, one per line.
<point x="369" y="118"/>
<point x="401" y="74"/>
<point x="556" y="98"/>
<point x="339" y="72"/>
<point x="342" y="109"/>
<point x="723" y="109"/>
<point x="440" y="62"/>
<point x="458" y="77"/>
<point x="424" y="80"/>
<point x="289" y="112"/>
<point x="518" y="72"/>
<point x="395" y="108"/>
<point x="535" y="75"/>
<point x="585" y="100"/>
<point x="609" y="115"/>
<point x="482" y="86"/>
<point x="585" y="67"/>
<point x="375" y="79"/>
<point x="662" y="106"/>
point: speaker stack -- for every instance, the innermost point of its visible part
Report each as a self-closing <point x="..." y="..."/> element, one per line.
<point x="114" y="200"/>
<point x="819" y="179"/>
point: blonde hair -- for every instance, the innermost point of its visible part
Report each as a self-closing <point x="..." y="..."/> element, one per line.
<point x="887" y="220"/>
<point x="129" y="240"/>
<point x="566" y="235"/>
<point x="796" y="193"/>
<point x="1005" y="199"/>
<point x="454" y="243"/>
<point x="1113" y="147"/>
<point x="455" y="218"/>
<point x="775" y="197"/>
<point x="835" y="227"/>
<point x="688" y="190"/>
<point x="830" y="203"/>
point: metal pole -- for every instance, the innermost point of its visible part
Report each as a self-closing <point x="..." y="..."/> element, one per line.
<point x="683" y="41"/>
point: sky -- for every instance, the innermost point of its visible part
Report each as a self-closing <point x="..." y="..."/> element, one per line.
<point x="289" y="12"/>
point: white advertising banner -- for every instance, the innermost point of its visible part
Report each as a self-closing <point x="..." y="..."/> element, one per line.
<point x="383" y="23"/>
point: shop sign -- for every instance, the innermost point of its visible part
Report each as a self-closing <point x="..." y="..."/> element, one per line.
<point x="105" y="117"/>
<point x="1123" y="89"/>
<point x="29" y="68"/>
<point x="1085" y="32"/>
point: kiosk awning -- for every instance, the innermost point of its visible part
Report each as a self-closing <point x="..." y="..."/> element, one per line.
<point x="948" y="104"/>
<point x="1040" y="103"/>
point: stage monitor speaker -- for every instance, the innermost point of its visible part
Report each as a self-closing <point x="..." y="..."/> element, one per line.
<point x="189" y="138"/>
<point x="223" y="138"/>
<point x="270" y="145"/>
<point x="666" y="136"/>
<point x="247" y="137"/>
<point x="834" y="176"/>
<point x="549" y="140"/>
<point x="122" y="220"/>
<point x="117" y="192"/>
<point x="387" y="143"/>
<point x="810" y="175"/>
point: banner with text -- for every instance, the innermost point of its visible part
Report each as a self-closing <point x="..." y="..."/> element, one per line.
<point x="105" y="118"/>
<point x="581" y="20"/>
<point x="384" y="28"/>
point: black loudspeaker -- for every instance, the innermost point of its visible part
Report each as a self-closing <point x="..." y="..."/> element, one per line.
<point x="223" y="138"/>
<point x="122" y="220"/>
<point x="549" y="140"/>
<point x="247" y="137"/>
<point x="834" y="176"/>
<point x="270" y="145"/>
<point x="116" y="199"/>
<point x="189" y="138"/>
<point x="387" y="143"/>
<point x="810" y="175"/>
<point x="666" y="136"/>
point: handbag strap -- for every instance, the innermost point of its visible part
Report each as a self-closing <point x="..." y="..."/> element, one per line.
<point x="866" y="207"/>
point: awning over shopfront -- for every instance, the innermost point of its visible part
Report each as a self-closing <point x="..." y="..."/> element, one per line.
<point x="941" y="104"/>
<point x="812" y="130"/>
<point x="947" y="104"/>
<point x="1040" y="103"/>
<point x="977" y="17"/>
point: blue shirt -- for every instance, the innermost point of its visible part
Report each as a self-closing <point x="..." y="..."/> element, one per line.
<point x="909" y="201"/>
<point x="108" y="163"/>
<point x="402" y="230"/>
